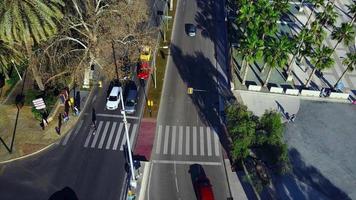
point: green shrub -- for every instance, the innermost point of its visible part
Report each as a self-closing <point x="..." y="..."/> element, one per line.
<point x="36" y="113"/>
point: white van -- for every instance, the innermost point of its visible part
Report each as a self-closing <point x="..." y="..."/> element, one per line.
<point x="113" y="99"/>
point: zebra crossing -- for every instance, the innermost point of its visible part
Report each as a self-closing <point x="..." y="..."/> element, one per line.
<point x="187" y="141"/>
<point x="108" y="135"/>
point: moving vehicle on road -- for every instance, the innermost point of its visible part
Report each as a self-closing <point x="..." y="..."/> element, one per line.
<point x="191" y="29"/>
<point x="203" y="188"/>
<point x="113" y="100"/>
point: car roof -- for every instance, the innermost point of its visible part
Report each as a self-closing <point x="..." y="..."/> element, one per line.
<point x="115" y="91"/>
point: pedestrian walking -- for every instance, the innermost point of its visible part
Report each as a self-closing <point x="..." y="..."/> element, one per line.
<point x="76" y="111"/>
<point x="77" y="100"/>
<point x="66" y="106"/>
<point x="65" y="117"/>
<point x="42" y="125"/>
<point x="93" y="119"/>
<point x="287" y="116"/>
<point x="292" y="117"/>
<point x="58" y="128"/>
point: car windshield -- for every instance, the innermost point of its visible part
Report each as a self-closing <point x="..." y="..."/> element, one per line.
<point x="130" y="103"/>
<point x="113" y="98"/>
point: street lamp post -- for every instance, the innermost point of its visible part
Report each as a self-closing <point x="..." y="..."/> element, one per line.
<point x="133" y="181"/>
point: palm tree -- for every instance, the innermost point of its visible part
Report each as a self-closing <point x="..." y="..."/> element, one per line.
<point x="246" y="14"/>
<point x="349" y="62"/>
<point x="8" y="56"/>
<point x="321" y="60"/>
<point x="343" y="33"/>
<point x="317" y="3"/>
<point x="281" y="6"/>
<point x="328" y="17"/>
<point x="276" y="54"/>
<point x="26" y="23"/>
<point x="250" y="49"/>
<point x="318" y="33"/>
<point x="269" y="17"/>
<point x="303" y="40"/>
<point x="352" y="11"/>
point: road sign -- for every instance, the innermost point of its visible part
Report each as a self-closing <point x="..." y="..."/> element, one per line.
<point x="167" y="17"/>
<point x="39" y="104"/>
<point x="190" y="90"/>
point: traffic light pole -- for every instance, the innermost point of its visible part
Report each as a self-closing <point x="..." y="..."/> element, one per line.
<point x="133" y="181"/>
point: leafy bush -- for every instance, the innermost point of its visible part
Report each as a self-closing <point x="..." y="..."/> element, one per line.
<point x="36" y="114"/>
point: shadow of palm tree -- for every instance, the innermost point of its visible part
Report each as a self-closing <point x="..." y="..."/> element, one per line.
<point x="198" y="72"/>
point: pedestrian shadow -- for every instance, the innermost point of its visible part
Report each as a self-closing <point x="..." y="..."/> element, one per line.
<point x="311" y="176"/>
<point x="66" y="193"/>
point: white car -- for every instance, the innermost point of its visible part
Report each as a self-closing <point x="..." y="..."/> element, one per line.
<point x="113" y="99"/>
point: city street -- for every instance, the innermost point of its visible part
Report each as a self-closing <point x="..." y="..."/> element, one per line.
<point x="92" y="165"/>
<point x="189" y="132"/>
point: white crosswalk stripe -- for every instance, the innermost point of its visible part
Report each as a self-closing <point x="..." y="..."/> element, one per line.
<point x="208" y="140"/>
<point x="187" y="140"/>
<point x="201" y="139"/>
<point x="123" y="142"/>
<point x="71" y="135"/>
<point x="195" y="146"/>
<point x="118" y="133"/>
<point x="109" y="135"/>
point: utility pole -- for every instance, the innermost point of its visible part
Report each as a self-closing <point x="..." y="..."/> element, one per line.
<point x="133" y="181"/>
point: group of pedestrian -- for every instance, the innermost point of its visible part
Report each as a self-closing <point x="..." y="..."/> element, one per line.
<point x="290" y="118"/>
<point x="69" y="103"/>
<point x="44" y="122"/>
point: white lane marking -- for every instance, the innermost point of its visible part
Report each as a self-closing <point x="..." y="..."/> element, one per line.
<point x="201" y="141"/>
<point x="103" y="136"/>
<point x="185" y="162"/>
<point x="180" y="140"/>
<point x="117" y="116"/>
<point x="173" y="145"/>
<point x="110" y="136"/>
<point x="88" y="138"/>
<point x="158" y="146"/>
<point x="124" y="139"/>
<point x="133" y="134"/>
<point x="195" y="146"/>
<point x="78" y="128"/>
<point x="66" y="138"/>
<point x="187" y="144"/>
<point x="166" y="136"/>
<point x="118" y="134"/>
<point x="96" y="135"/>
<point x="216" y="142"/>
<point x="208" y="138"/>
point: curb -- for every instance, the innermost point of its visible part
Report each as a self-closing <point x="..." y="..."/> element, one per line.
<point x="144" y="181"/>
<point x="50" y="145"/>
<point x="293" y="96"/>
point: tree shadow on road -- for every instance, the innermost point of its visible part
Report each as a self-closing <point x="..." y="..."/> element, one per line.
<point x="198" y="72"/>
<point x="317" y="186"/>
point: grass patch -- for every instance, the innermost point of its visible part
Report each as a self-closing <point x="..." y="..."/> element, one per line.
<point x="154" y="94"/>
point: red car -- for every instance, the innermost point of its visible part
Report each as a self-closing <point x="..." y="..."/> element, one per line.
<point x="203" y="188"/>
<point x="143" y="70"/>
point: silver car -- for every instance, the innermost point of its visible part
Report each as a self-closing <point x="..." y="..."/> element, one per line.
<point x="131" y="100"/>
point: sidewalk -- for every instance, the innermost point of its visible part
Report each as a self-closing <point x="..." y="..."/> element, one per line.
<point x="30" y="137"/>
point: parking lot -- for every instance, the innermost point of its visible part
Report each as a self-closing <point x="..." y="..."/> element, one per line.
<point x="322" y="151"/>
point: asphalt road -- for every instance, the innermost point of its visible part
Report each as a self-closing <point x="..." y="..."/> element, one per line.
<point x="188" y="126"/>
<point x="322" y="151"/>
<point x="92" y="165"/>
